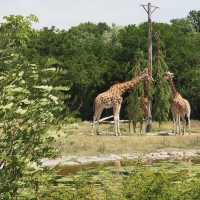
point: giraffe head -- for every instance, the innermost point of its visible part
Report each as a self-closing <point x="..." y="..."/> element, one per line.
<point x="146" y="76"/>
<point x="168" y="75"/>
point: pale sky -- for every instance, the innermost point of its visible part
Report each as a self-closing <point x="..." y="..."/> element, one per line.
<point x="67" y="13"/>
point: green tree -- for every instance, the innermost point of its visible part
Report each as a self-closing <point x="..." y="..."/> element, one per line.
<point x="161" y="94"/>
<point x="29" y="105"/>
<point x="161" y="100"/>
<point x="135" y="112"/>
<point x="194" y="17"/>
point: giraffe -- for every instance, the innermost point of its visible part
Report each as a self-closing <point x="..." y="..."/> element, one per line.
<point x="142" y="115"/>
<point x="180" y="107"/>
<point x="112" y="98"/>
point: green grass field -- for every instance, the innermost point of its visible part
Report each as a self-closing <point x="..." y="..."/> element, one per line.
<point x="78" y="139"/>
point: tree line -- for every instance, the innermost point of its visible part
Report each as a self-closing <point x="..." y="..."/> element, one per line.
<point x="89" y="58"/>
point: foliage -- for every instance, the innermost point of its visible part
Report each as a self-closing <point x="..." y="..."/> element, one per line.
<point x="161" y="94"/>
<point x="89" y="58"/>
<point x="137" y="183"/>
<point x="194" y="17"/>
<point x="147" y="185"/>
<point x="134" y="109"/>
<point x="28" y="108"/>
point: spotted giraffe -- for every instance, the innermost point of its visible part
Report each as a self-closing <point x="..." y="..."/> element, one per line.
<point x="112" y="98"/>
<point x="180" y="107"/>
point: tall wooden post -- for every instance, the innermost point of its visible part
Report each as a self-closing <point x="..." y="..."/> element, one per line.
<point x="149" y="40"/>
<point x="149" y="10"/>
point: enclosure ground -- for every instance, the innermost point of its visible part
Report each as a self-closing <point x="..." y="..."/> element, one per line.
<point x="78" y="139"/>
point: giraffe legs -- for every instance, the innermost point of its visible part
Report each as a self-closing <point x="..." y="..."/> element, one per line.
<point x="183" y="125"/>
<point x="134" y="126"/>
<point x="116" y="112"/>
<point x="187" y="117"/>
<point x="179" y="124"/>
<point x="116" y="122"/>
<point x="96" y="118"/>
<point x="141" y="127"/>
<point x="187" y="123"/>
<point x="174" y="123"/>
<point x="189" y="126"/>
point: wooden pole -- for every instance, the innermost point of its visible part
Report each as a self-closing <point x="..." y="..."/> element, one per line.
<point x="149" y="10"/>
<point x="149" y="40"/>
<point x="148" y="84"/>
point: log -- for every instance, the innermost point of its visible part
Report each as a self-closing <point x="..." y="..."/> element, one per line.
<point x="103" y="119"/>
<point x="112" y="122"/>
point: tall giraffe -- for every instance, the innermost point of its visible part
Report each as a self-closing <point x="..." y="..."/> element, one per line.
<point x="112" y="98"/>
<point x="180" y="107"/>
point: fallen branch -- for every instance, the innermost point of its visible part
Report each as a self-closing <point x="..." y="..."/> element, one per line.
<point x="112" y="122"/>
<point x="103" y="119"/>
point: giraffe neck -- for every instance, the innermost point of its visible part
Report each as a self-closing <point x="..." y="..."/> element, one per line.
<point x="173" y="87"/>
<point x="130" y="85"/>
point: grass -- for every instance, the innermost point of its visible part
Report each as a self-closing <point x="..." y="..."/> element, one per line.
<point x="127" y="179"/>
<point x="77" y="139"/>
<point x="163" y="180"/>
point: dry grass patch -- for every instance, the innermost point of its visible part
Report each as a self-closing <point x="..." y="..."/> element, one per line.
<point x="77" y="139"/>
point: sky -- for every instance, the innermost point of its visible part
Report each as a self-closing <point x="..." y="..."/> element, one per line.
<point x="67" y="13"/>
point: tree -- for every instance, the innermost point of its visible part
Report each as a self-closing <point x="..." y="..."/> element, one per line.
<point x="194" y="18"/>
<point x="135" y="112"/>
<point x="28" y="108"/>
<point x="161" y="100"/>
<point x="161" y="95"/>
